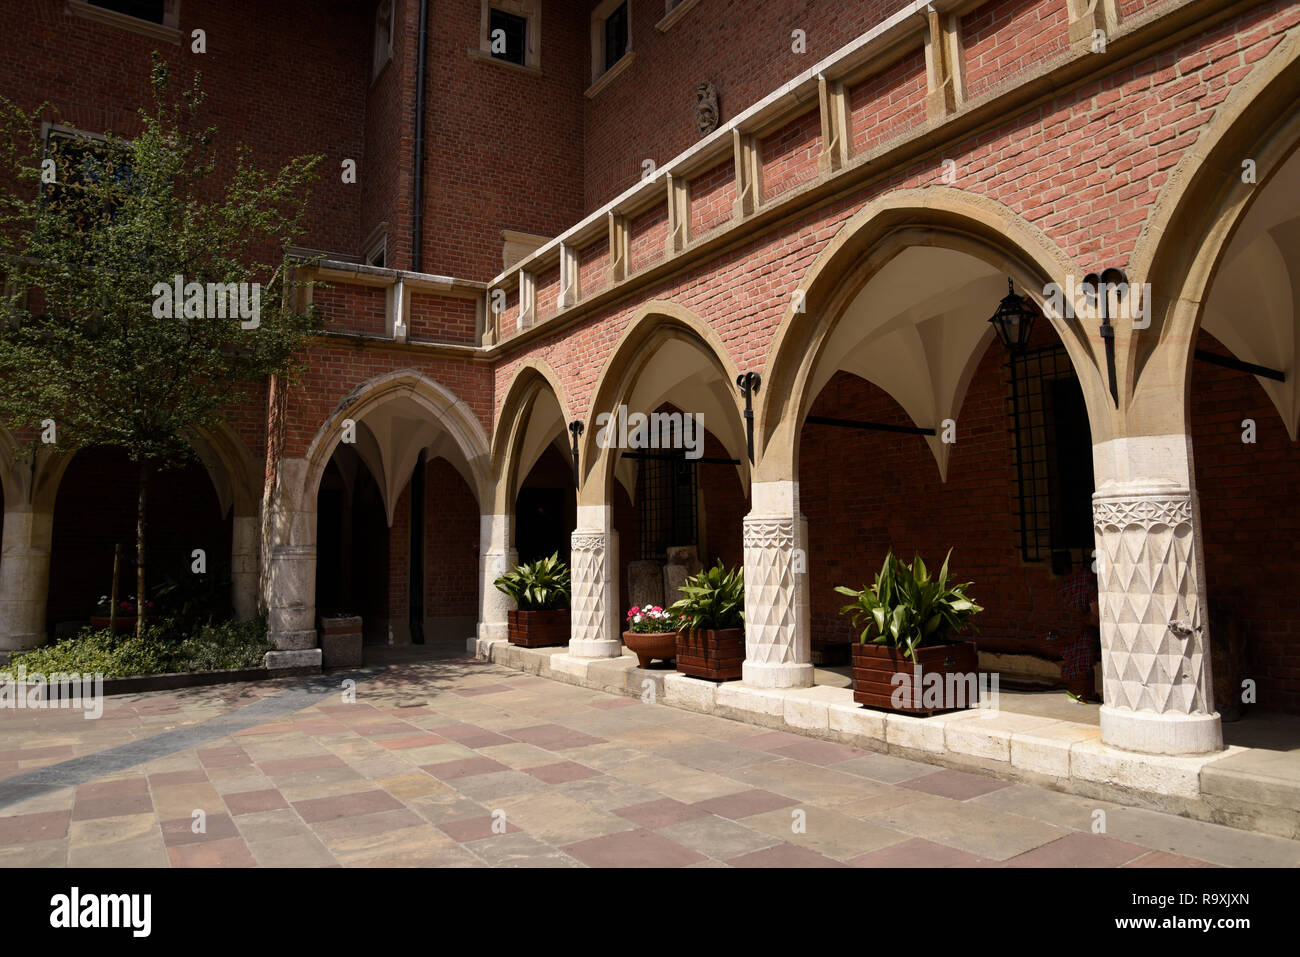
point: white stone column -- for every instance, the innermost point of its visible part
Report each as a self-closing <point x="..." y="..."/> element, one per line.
<point x="1155" y="640"/>
<point x="24" y="576"/>
<point x="594" y="629"/>
<point x="497" y="556"/>
<point x="778" y="649"/>
<point x="290" y="574"/>
<point x="244" y="573"/>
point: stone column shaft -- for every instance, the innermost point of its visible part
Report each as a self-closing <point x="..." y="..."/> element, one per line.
<point x="497" y="556"/>
<point x="244" y="573"/>
<point x="24" y="577"/>
<point x="1155" y="640"/>
<point x="778" y="649"/>
<point x="595" y="612"/>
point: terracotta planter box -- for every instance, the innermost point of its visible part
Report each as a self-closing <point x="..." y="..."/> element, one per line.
<point x="651" y="645"/>
<point x="956" y="664"/>
<point x="715" y="655"/>
<point x="122" y="625"/>
<point x="538" y="629"/>
<point x="341" y="642"/>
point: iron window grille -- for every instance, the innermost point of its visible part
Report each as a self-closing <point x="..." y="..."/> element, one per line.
<point x="1053" y="458"/>
<point x="668" y="502"/>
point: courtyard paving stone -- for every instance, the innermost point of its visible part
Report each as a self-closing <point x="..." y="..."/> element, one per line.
<point x="439" y="749"/>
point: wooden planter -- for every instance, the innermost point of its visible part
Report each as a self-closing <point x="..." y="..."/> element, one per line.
<point x="122" y="625"/>
<point x="874" y="668"/>
<point x="651" y="645"/>
<point x="538" y="629"/>
<point x="715" y="655"/>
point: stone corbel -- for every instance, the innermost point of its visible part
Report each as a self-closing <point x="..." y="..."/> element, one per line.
<point x="569" y="291"/>
<point x="836" y="134"/>
<point x="678" y="214"/>
<point x="749" y="173"/>
<point x="1088" y="18"/>
<point x="399" y="311"/>
<point x="944" y="65"/>
<point x="527" y="299"/>
<point x="619" y="248"/>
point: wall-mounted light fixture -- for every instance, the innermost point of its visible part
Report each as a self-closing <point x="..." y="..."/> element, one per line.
<point x="1014" y="320"/>
<point x="576" y="428"/>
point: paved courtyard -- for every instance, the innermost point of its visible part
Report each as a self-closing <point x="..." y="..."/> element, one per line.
<point x="446" y="761"/>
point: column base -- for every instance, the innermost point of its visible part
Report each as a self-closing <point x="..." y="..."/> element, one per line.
<point x="598" y="648"/>
<point x="302" y="661"/>
<point x="762" y="675"/>
<point x="293" y="640"/>
<point x="24" y="642"/>
<point x="1148" y="732"/>
<point x="492" y="630"/>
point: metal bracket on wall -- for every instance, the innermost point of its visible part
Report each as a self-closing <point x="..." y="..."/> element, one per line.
<point x="749" y="383"/>
<point x="576" y="428"/>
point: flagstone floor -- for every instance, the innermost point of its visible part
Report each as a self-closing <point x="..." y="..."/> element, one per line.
<point x="447" y="761"/>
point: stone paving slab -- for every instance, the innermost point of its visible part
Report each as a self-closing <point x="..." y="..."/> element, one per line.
<point x="449" y="762"/>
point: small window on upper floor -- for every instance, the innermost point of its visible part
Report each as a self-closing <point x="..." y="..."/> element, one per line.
<point x="383" y="36"/>
<point x="611" y="35"/>
<point x="509" y="31"/>
<point x="155" y="11"/>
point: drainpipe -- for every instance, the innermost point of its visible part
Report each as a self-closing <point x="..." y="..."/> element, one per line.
<point x="417" y="223"/>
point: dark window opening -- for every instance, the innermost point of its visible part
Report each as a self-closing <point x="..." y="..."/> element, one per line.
<point x="542" y="528"/>
<point x="1053" y="445"/>
<point x="85" y="171"/>
<point x="151" y="10"/>
<point x="667" y="497"/>
<point x="616" y="39"/>
<point x="512" y="31"/>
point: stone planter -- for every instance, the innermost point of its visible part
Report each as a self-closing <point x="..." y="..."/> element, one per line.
<point x="122" y="625"/>
<point x="341" y="642"/>
<point x="955" y="663"/>
<point x="538" y="629"/>
<point x="650" y="645"/>
<point x="715" y="655"/>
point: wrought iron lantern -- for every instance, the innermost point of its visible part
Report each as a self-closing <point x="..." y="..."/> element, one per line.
<point x="1014" y="320"/>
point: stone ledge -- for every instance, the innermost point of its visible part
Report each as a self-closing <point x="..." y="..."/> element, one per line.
<point x="1063" y="755"/>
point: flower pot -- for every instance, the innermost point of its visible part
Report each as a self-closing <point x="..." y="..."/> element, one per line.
<point x="715" y="655"/>
<point x="538" y="629"/>
<point x="883" y="678"/>
<point x="650" y="645"/>
<point x="122" y="625"/>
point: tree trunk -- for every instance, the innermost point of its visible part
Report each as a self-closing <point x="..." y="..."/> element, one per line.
<point x="141" y="500"/>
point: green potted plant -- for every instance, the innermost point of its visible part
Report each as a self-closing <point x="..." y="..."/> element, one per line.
<point x="907" y="657"/>
<point x="711" y="624"/>
<point x="540" y="591"/>
<point x="651" y="633"/>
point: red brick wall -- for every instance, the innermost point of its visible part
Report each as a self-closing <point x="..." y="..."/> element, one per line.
<point x="867" y="492"/>
<point x="504" y="147"/>
<point x="451" y="543"/>
<point x="98" y="76"/>
<point x="1250" y="523"/>
<point x="1005" y="38"/>
<point x="745" y="51"/>
<point x="349" y="308"/>
<point x="443" y="319"/>
<point x="889" y="103"/>
<point x="647" y="243"/>
<point x="789" y="155"/>
<point x="712" y="198"/>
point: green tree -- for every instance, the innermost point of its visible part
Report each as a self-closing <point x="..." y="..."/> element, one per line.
<point x="93" y="235"/>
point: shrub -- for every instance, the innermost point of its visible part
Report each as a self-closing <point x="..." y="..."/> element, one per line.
<point x="714" y="600"/>
<point x="542" y="585"/>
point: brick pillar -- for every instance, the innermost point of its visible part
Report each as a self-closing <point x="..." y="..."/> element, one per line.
<point x="778" y="651"/>
<point x="24" y="576"/>
<point x="1155" y="639"/>
<point x="595" y="632"/>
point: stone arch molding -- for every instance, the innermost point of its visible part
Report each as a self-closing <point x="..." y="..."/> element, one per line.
<point x="1189" y="238"/>
<point x="391" y="445"/>
<point x="657" y="327"/>
<point x="940" y="218"/>
<point x="518" y="442"/>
